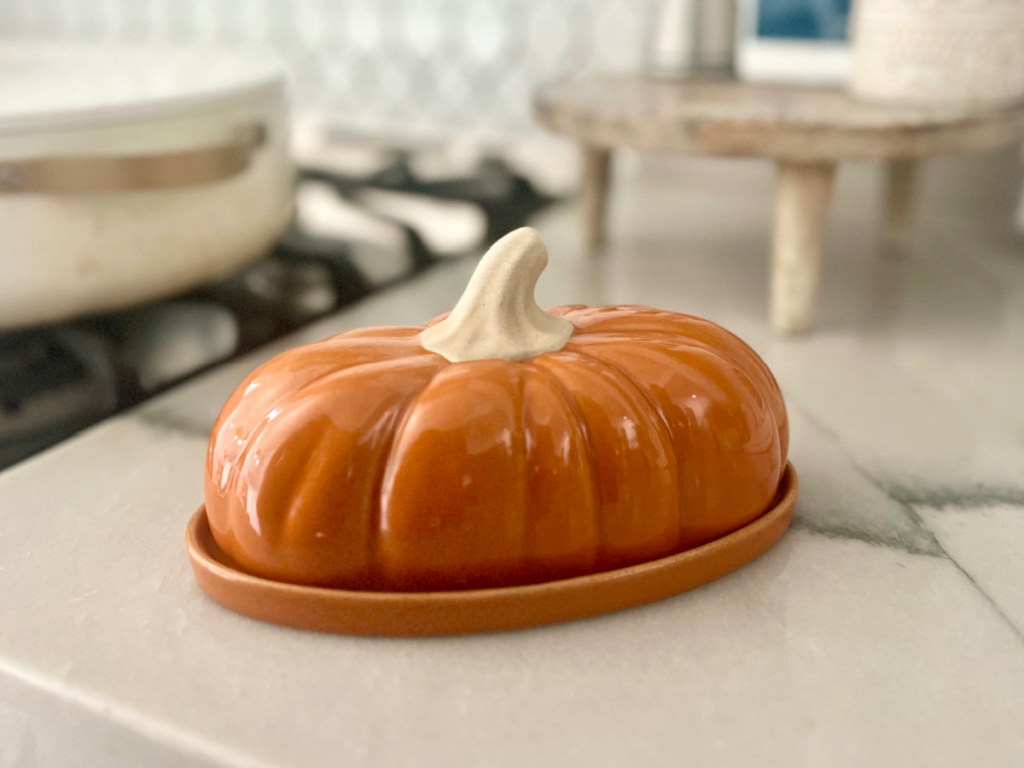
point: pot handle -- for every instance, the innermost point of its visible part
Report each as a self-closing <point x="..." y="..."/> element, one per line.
<point x="88" y="174"/>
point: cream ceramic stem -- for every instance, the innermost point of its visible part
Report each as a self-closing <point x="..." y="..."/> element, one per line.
<point x="497" y="316"/>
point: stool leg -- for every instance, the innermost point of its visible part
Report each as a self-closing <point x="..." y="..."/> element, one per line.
<point x="801" y="204"/>
<point x="594" y="195"/>
<point x="1019" y="221"/>
<point x="901" y="186"/>
<point x="1019" y="218"/>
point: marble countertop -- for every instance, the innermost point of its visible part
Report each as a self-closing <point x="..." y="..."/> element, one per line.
<point x="885" y="629"/>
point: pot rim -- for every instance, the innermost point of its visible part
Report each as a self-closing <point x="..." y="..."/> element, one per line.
<point x="44" y="88"/>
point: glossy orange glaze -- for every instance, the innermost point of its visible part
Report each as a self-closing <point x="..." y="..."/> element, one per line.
<point x="365" y="462"/>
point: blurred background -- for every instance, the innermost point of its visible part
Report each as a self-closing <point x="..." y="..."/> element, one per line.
<point x="418" y="66"/>
<point x="183" y="181"/>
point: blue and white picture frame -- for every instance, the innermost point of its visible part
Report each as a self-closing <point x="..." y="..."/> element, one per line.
<point x="797" y="41"/>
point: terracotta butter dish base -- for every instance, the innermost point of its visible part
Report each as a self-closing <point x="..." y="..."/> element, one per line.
<point x="481" y="610"/>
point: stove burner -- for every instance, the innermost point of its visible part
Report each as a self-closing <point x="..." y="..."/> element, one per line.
<point x="163" y="344"/>
<point x="53" y="382"/>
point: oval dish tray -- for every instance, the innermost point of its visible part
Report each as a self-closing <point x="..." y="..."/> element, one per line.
<point x="481" y="610"/>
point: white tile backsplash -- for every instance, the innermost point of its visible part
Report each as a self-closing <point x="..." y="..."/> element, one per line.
<point x="428" y="65"/>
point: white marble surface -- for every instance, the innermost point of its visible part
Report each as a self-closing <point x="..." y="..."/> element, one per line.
<point x="886" y="629"/>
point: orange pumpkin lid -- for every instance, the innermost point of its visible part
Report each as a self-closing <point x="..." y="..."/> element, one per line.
<point x="500" y="447"/>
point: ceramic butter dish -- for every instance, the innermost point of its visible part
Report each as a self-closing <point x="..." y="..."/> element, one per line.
<point x="500" y="467"/>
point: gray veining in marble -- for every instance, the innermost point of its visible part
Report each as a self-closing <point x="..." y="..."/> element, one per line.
<point x="885" y="629"/>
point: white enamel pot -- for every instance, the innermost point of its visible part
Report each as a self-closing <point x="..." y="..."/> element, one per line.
<point x="128" y="174"/>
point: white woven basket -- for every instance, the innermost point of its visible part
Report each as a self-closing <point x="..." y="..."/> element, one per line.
<point x="939" y="50"/>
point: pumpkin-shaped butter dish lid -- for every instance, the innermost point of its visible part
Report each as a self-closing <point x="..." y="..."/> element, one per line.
<point x="500" y="467"/>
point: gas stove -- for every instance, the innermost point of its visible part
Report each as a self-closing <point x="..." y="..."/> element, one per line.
<point x="352" y="235"/>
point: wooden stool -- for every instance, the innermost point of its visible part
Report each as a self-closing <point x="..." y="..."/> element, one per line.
<point x="806" y="132"/>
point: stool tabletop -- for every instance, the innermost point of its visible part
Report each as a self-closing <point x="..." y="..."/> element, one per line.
<point x="727" y="117"/>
